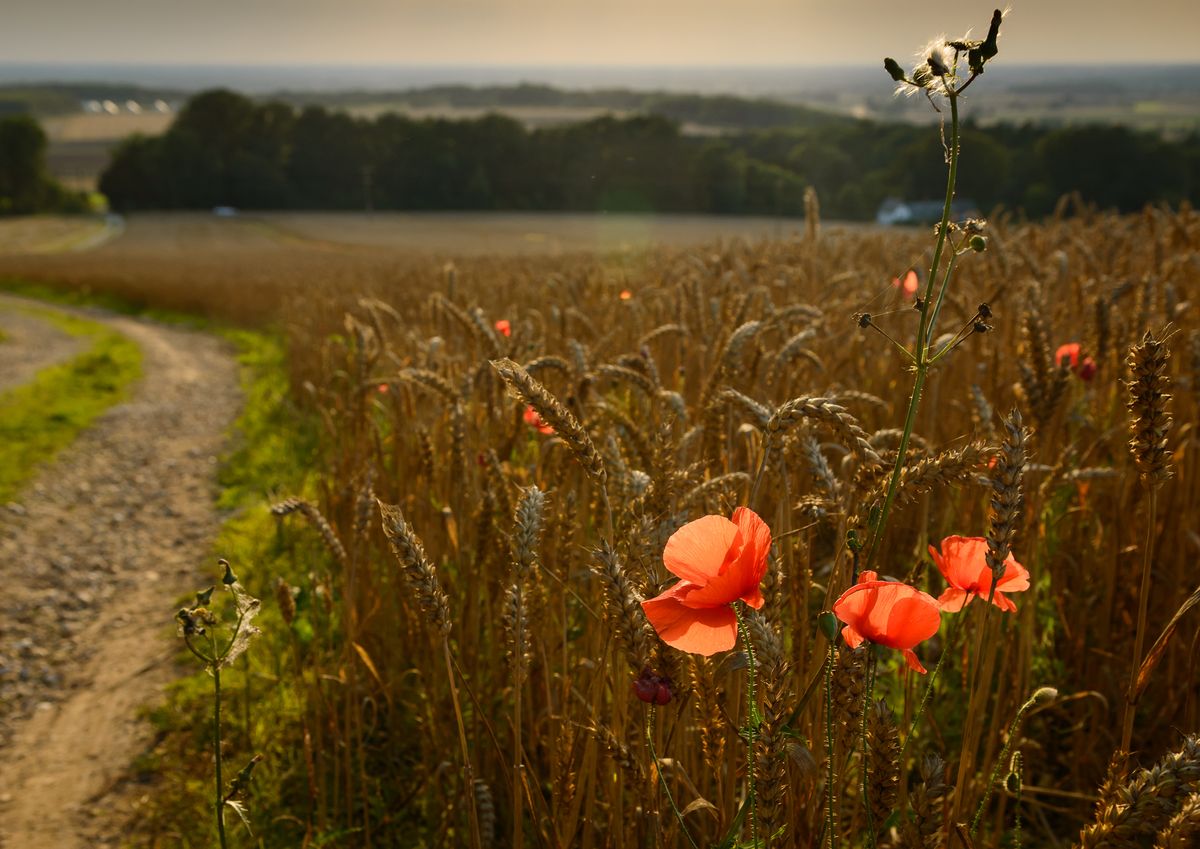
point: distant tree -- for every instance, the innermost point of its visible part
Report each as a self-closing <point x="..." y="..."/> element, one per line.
<point x="22" y="165"/>
<point x="25" y="182"/>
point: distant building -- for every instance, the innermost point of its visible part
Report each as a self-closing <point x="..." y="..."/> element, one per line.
<point x="895" y="211"/>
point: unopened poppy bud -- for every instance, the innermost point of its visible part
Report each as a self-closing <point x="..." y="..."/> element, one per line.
<point x="1087" y="369"/>
<point x="893" y="68"/>
<point x="828" y="624"/>
<point x="978" y="244"/>
<point x="653" y="689"/>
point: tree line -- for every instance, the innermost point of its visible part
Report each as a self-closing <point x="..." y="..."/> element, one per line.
<point x="25" y="183"/>
<point x="225" y="149"/>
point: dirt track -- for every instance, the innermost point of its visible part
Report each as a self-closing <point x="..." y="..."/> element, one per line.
<point x="92" y="558"/>
<point x="29" y="345"/>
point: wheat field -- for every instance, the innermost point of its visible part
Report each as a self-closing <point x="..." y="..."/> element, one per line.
<point x="459" y="654"/>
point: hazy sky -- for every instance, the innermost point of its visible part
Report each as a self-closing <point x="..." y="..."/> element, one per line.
<point x="585" y="32"/>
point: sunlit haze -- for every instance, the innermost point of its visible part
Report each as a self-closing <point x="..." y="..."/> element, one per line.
<point x="571" y="32"/>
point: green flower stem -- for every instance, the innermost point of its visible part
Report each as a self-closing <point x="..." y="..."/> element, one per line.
<point x="831" y="774"/>
<point x="868" y="696"/>
<point x="1003" y="757"/>
<point x="754" y="720"/>
<point x="662" y="780"/>
<point x="950" y="635"/>
<point x="924" y="330"/>
<point x="220" y="798"/>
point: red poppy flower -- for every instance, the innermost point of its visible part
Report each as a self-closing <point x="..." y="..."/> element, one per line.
<point x="626" y="294"/>
<point x="504" y="327"/>
<point x="963" y="563"/>
<point x="887" y="613"/>
<point x="1071" y="356"/>
<point x="382" y="389"/>
<point x="1067" y="356"/>
<point x="535" y="421"/>
<point x="908" y="284"/>
<point x="720" y="562"/>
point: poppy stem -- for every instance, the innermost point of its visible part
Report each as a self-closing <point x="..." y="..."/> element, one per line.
<point x="831" y="773"/>
<point x="754" y="720"/>
<point x="1143" y="608"/>
<point x="868" y="697"/>
<point x="662" y="780"/>
<point x="924" y="330"/>
<point x="950" y="635"/>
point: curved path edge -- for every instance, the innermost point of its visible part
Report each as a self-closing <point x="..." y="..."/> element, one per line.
<point x="104" y="542"/>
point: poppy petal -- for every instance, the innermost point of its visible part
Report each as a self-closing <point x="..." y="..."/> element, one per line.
<point x="703" y="631"/>
<point x="913" y="618"/>
<point x="697" y="551"/>
<point x="852" y="637"/>
<point x="954" y="599"/>
<point x="914" y="663"/>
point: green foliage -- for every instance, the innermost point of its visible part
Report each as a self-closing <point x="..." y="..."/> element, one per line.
<point x="42" y="417"/>
<point x="25" y="184"/>
<point x="263" y="711"/>
<point x="225" y="149"/>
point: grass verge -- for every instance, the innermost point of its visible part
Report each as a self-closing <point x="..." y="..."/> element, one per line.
<point x="40" y="418"/>
<point x="271" y="456"/>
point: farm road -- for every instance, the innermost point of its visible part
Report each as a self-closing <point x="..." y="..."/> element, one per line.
<point x="92" y="559"/>
<point x="28" y="345"/>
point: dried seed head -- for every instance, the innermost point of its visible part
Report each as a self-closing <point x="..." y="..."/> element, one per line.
<point x="285" y="597"/>
<point x="1148" y="397"/>
<point x="553" y="413"/>
<point x="415" y="567"/>
<point x="1005" y="482"/>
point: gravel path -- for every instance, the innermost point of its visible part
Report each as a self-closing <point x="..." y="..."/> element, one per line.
<point x="28" y="345"/>
<point x="92" y="561"/>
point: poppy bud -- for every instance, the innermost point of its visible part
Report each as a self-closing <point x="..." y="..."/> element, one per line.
<point x="984" y="310"/>
<point x="978" y="244"/>
<point x="653" y="689"/>
<point x="980" y="327"/>
<point x="828" y="624"/>
<point x="893" y="68"/>
<point x="864" y="320"/>
<point x="1087" y="369"/>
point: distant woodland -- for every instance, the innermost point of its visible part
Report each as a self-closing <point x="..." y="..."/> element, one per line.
<point x="226" y="149"/>
<point x="25" y="184"/>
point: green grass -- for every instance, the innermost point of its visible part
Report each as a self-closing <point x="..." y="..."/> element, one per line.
<point x="40" y="418"/>
<point x="273" y="450"/>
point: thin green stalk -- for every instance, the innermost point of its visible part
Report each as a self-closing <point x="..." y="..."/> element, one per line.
<point x="950" y="635"/>
<point x="473" y="816"/>
<point x="1012" y="733"/>
<point x="220" y="799"/>
<point x="924" y="328"/>
<point x="868" y="696"/>
<point x="1143" y="610"/>
<point x="754" y="720"/>
<point x="662" y="780"/>
<point x="831" y="773"/>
